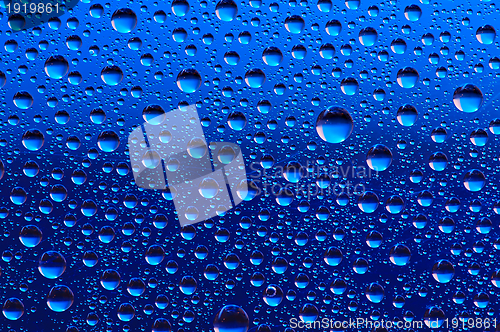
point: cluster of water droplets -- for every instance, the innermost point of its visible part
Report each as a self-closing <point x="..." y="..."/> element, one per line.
<point x="392" y="104"/>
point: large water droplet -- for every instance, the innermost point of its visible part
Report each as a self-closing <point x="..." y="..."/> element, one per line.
<point x="407" y="77"/>
<point x="332" y="256"/>
<point x="407" y="115"/>
<point x="273" y="295"/>
<point x="231" y="318"/>
<point x="155" y="254"/>
<point x="368" y="202"/>
<point x="23" y="100"/>
<point x="379" y="158"/>
<point x="108" y="141"/>
<point x="349" y="86"/>
<point x="197" y="147"/>
<point x="110" y="279"/>
<point x="438" y="161"/>
<point x="60" y="298"/>
<point x="161" y="325"/>
<point x="189" y="80"/>
<point x="126" y="312"/>
<point x="375" y="292"/>
<point x="468" y="98"/>
<point x="333" y="27"/>
<point x="180" y="7"/>
<point x="294" y="24"/>
<point x="33" y="139"/>
<point x="52" y="264"/>
<point x="208" y="188"/>
<point x="56" y="67"/>
<point x="30" y="236"/>
<point x="413" y="13"/>
<point x="486" y="34"/>
<point x="111" y="75"/>
<point x="443" y="271"/>
<point x="272" y="56"/>
<point x="154" y="114"/>
<point x="334" y="125"/>
<point x="479" y="137"/>
<point x="400" y="255"/>
<point x="124" y="20"/>
<point x="237" y="120"/>
<point x="474" y="180"/>
<point x="255" y="78"/>
<point x="188" y="285"/>
<point x="13" y="308"/>
<point x="368" y="36"/>
<point x="226" y="10"/>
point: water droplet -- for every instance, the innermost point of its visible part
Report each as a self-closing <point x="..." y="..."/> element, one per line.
<point x="407" y="77"/>
<point x="188" y="285"/>
<point x="226" y="10"/>
<point x="155" y="255"/>
<point x="375" y="292"/>
<point x="434" y="317"/>
<point x="208" y="188"/>
<point x="468" y="98"/>
<point x="474" y="180"/>
<point x="332" y="256"/>
<point x="349" y="86"/>
<point x="197" y="147"/>
<point x="237" y="120"/>
<point x="438" y="161"/>
<point x="379" y="157"/>
<point x="294" y="24"/>
<point x="334" y="125"/>
<point x="23" y="100"/>
<point x="413" y="13"/>
<point x="189" y="80"/>
<point x="486" y="34"/>
<point x="124" y="20"/>
<point x="33" y="139"/>
<point x="368" y="202"/>
<point x="368" y="36"/>
<point x="60" y="298"/>
<point x="273" y="295"/>
<point x="180" y="7"/>
<point x="13" y="308"/>
<point x="154" y="114"/>
<point x="56" y="67"/>
<point x="255" y="78"/>
<point x="231" y="318"/>
<point x="108" y="141"/>
<point x="333" y="27"/>
<point x="126" y="312"/>
<point x="407" y="115"/>
<point x="161" y="325"/>
<point x="110" y="279"/>
<point x="272" y="56"/>
<point x="30" y="236"/>
<point x="52" y="264"/>
<point x="111" y="75"/>
<point x="394" y="204"/>
<point x="400" y="254"/>
<point x="443" y="271"/>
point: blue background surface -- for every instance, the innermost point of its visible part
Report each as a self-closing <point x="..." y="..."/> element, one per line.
<point x="223" y="90"/>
